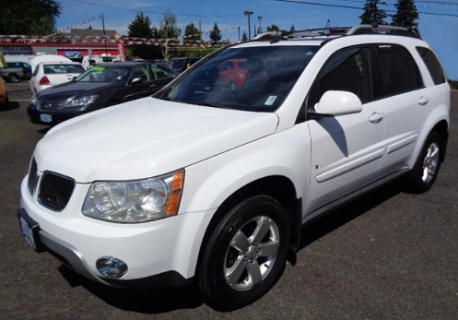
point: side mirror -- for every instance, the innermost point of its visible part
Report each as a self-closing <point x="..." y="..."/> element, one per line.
<point x="136" y="81"/>
<point x="74" y="78"/>
<point x="338" y="103"/>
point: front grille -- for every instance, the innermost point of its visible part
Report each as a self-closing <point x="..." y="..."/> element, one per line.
<point x="49" y="105"/>
<point x="33" y="177"/>
<point x="55" y="191"/>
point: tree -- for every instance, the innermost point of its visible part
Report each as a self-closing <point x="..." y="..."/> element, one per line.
<point x="407" y="15"/>
<point x="168" y="27"/>
<point x="140" y="27"/>
<point x="191" y="33"/>
<point x="244" y="37"/>
<point x="215" y="34"/>
<point x="273" y="28"/>
<point x="372" y="14"/>
<point x="293" y="29"/>
<point x="29" y="17"/>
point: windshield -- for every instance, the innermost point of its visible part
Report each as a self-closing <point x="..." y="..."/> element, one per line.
<point x="105" y="74"/>
<point x="63" y="68"/>
<point x="252" y="79"/>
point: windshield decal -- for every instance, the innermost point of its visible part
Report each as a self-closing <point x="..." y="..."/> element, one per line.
<point x="98" y="69"/>
<point x="270" y="100"/>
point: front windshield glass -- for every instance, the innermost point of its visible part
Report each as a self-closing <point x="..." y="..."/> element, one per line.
<point x="252" y="79"/>
<point x="105" y="74"/>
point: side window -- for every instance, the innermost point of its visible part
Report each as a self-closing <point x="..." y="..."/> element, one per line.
<point x="347" y="70"/>
<point x="398" y="71"/>
<point x="35" y="71"/>
<point x="159" y="72"/>
<point x="229" y="66"/>
<point x="141" y="72"/>
<point x="433" y="65"/>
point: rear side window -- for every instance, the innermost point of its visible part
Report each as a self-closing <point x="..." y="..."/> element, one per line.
<point x="347" y="70"/>
<point x="63" y="68"/>
<point x="398" y="71"/>
<point x="433" y="65"/>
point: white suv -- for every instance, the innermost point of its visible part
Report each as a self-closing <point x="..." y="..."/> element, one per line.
<point x="213" y="182"/>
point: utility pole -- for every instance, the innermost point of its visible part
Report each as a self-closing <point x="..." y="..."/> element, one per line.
<point x="254" y="31"/>
<point x="248" y="14"/>
<point x="238" y="29"/>
<point x="105" y="39"/>
<point x="260" y="24"/>
<point x="200" y="31"/>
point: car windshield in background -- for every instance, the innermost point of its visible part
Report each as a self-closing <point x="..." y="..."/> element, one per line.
<point x="177" y="64"/>
<point x="105" y="74"/>
<point x="252" y="79"/>
<point x="63" y="68"/>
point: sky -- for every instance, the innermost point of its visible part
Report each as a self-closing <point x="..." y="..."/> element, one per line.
<point x="439" y="31"/>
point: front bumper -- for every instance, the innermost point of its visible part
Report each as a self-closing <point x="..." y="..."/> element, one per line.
<point x="57" y="115"/>
<point x="155" y="252"/>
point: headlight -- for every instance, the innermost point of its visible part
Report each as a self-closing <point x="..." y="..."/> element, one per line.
<point x="135" y="201"/>
<point x="33" y="100"/>
<point x="81" y="101"/>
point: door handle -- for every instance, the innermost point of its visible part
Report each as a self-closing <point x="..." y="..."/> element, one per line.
<point x="376" y="117"/>
<point x="423" y="101"/>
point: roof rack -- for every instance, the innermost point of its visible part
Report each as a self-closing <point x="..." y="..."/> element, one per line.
<point x="275" y="36"/>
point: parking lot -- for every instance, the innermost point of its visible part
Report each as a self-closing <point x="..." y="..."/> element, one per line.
<point x="390" y="255"/>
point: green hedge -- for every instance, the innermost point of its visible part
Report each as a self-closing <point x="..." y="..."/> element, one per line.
<point x="453" y="84"/>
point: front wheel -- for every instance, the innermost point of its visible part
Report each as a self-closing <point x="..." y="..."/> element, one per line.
<point x="245" y="254"/>
<point x="13" y="78"/>
<point x="426" y="169"/>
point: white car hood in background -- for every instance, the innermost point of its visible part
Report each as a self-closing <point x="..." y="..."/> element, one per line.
<point x="146" y="138"/>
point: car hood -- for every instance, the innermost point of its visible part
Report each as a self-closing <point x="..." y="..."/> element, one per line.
<point x="146" y="138"/>
<point x="70" y="89"/>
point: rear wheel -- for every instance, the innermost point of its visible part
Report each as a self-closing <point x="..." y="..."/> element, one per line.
<point x="426" y="169"/>
<point x="245" y="254"/>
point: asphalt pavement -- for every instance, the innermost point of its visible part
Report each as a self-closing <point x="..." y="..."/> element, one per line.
<point x="389" y="256"/>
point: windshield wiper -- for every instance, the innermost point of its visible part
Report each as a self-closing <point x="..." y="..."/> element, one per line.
<point x="206" y="104"/>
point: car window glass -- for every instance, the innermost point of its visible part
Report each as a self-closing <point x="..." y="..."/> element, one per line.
<point x="398" y="71"/>
<point x="347" y="70"/>
<point x="35" y="72"/>
<point x="270" y="75"/>
<point x="142" y="73"/>
<point x="63" y="68"/>
<point x="161" y="72"/>
<point x="229" y="66"/>
<point x="433" y="65"/>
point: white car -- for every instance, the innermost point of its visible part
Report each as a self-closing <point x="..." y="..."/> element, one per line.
<point x="214" y="182"/>
<point x="49" y="74"/>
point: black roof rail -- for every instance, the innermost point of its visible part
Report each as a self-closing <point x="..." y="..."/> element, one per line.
<point x="383" y="29"/>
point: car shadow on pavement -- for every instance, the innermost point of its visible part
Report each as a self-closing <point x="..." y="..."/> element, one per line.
<point x="148" y="301"/>
<point x="44" y="130"/>
<point x="330" y="222"/>
<point x="12" y="105"/>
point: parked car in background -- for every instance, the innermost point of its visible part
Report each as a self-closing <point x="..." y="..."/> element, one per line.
<point x="99" y="87"/>
<point x="181" y="64"/>
<point x="49" y="74"/>
<point x="232" y="73"/>
<point x="3" y="94"/>
<point x="12" y="75"/>
<point x="26" y="68"/>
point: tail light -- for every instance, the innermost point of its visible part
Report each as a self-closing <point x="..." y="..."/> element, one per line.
<point x="44" y="81"/>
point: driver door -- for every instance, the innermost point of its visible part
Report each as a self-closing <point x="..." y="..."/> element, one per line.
<point x="346" y="150"/>
<point x="142" y="89"/>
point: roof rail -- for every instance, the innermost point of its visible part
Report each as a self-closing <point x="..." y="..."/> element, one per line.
<point x="382" y="29"/>
<point x="275" y="36"/>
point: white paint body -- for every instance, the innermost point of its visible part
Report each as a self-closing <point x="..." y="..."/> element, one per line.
<point x="54" y="79"/>
<point x="222" y="151"/>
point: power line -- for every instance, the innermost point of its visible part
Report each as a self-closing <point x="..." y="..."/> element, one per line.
<point x="329" y="5"/>
<point x="152" y="12"/>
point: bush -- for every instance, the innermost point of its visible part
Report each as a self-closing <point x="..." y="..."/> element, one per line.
<point x="453" y="84"/>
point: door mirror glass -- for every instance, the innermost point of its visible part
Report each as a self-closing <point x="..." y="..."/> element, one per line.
<point x="136" y="81"/>
<point x="337" y="103"/>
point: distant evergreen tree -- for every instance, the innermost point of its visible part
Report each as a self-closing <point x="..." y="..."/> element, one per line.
<point x="273" y="28"/>
<point x="215" y="34"/>
<point x="140" y="27"/>
<point x="373" y="14"/>
<point x="407" y="15"/>
<point x="244" y="37"/>
<point x="292" y="29"/>
<point x="191" y="32"/>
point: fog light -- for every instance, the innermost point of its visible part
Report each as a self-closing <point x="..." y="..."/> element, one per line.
<point x="111" y="267"/>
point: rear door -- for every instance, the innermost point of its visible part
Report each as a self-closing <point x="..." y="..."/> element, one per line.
<point x="346" y="150"/>
<point x="403" y="99"/>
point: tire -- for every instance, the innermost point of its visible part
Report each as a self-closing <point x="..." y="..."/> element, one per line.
<point x="426" y="169"/>
<point x="235" y="242"/>
<point x="13" y="78"/>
